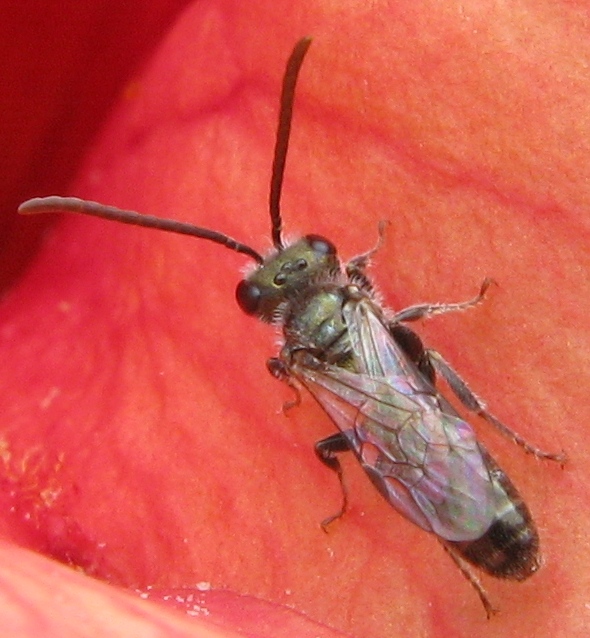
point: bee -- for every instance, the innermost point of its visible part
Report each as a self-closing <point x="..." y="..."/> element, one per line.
<point x="375" y="379"/>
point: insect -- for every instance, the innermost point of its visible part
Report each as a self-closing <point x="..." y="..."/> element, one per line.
<point x="375" y="379"/>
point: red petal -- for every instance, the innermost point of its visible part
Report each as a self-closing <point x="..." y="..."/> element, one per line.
<point x="147" y="389"/>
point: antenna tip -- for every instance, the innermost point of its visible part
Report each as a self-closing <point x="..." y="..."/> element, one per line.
<point x="30" y="206"/>
<point x="52" y="204"/>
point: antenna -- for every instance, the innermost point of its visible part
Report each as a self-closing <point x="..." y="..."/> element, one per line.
<point x="282" y="141"/>
<point x="57" y="204"/>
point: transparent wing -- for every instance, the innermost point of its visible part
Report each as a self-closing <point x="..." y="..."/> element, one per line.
<point x="426" y="462"/>
<point x="375" y="351"/>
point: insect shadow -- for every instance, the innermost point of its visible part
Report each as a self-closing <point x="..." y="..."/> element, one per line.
<point x="375" y="379"/>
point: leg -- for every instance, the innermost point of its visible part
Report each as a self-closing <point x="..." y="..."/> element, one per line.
<point x="355" y="268"/>
<point x="279" y="371"/>
<point x="472" y="578"/>
<point x="326" y="451"/>
<point x="426" y="311"/>
<point x="473" y="403"/>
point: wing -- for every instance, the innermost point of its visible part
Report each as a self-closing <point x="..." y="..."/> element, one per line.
<point x="426" y="462"/>
<point x="375" y="351"/>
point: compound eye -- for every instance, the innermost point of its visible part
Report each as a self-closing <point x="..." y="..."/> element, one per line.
<point x="320" y="245"/>
<point x="248" y="297"/>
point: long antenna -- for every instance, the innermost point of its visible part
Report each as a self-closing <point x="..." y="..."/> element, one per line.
<point x="282" y="141"/>
<point x="56" y="204"/>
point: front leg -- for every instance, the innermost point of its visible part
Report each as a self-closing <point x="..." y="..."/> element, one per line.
<point x="357" y="266"/>
<point x="280" y="371"/>
<point x="326" y="451"/>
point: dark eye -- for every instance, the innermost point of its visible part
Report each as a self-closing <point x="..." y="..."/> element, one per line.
<point x="248" y="297"/>
<point x="280" y="279"/>
<point x="320" y="245"/>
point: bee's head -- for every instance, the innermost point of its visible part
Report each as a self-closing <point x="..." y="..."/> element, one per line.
<point x="285" y="273"/>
